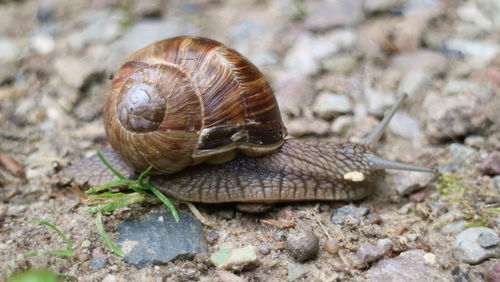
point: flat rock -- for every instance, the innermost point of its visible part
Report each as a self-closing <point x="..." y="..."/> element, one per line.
<point x="413" y="265"/>
<point x="158" y="239"/>
<point x="476" y="244"/>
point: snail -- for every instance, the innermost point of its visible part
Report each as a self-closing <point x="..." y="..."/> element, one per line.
<point x="208" y="122"/>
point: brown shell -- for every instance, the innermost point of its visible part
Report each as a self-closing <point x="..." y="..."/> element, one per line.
<point x="187" y="100"/>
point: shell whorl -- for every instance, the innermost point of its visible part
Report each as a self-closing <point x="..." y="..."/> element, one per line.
<point x="186" y="100"/>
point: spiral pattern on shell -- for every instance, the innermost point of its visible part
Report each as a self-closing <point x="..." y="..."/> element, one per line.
<point x="188" y="100"/>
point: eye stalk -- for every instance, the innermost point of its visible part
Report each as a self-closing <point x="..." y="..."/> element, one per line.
<point x="377" y="163"/>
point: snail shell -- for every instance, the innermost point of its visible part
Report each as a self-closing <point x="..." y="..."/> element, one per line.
<point x="187" y="100"/>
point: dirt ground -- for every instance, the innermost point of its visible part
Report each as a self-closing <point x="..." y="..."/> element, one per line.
<point x="56" y="58"/>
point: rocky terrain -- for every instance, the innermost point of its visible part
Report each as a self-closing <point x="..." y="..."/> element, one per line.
<point x="336" y="67"/>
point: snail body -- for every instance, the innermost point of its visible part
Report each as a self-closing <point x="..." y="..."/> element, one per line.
<point x="184" y="104"/>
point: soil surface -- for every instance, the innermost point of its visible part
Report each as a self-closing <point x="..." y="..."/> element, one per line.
<point x="336" y="67"/>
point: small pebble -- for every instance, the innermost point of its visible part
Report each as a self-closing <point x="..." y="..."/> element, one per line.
<point x="454" y="227"/>
<point x="494" y="273"/>
<point x="264" y="249"/>
<point x="212" y="237"/>
<point x="99" y="262"/>
<point x="329" y="105"/>
<point x="474" y="141"/>
<point x="461" y="152"/>
<point x="418" y="197"/>
<point x="296" y="271"/>
<point x="303" y="244"/>
<point x="342" y="124"/>
<point x="430" y="259"/>
<point x="385" y="244"/>
<point x="488" y="240"/>
<point x="496" y="182"/>
<point x="408" y="266"/>
<point x="369" y="253"/>
<point x="374" y="219"/>
<point x="226" y="213"/>
<point x="332" y="246"/>
<point x="490" y="163"/>
<point x="340" y="215"/>
<point x="226" y="276"/>
<point x="405" y="209"/>
<point x="86" y="244"/>
<point x="236" y="259"/>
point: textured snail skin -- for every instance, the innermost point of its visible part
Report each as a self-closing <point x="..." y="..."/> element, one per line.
<point x="299" y="171"/>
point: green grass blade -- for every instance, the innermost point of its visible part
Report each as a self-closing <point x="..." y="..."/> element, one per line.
<point x="141" y="176"/>
<point x="164" y="199"/>
<point x="116" y="183"/>
<point x="109" y="243"/>
<point x="113" y="170"/>
<point x="69" y="247"/>
<point x="121" y="202"/>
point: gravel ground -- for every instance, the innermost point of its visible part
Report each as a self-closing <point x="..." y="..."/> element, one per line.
<point x="336" y="67"/>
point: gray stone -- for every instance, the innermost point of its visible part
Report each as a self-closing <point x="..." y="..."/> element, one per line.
<point x="158" y="239"/>
<point x="494" y="273"/>
<point x="474" y="141"/>
<point x="454" y="227"/>
<point x="454" y="116"/>
<point x="326" y="15"/>
<point x="300" y="59"/>
<point x="385" y="244"/>
<point x="342" y="63"/>
<point x="378" y="101"/>
<point x="367" y="253"/>
<point x="97" y="263"/>
<point x="461" y="152"/>
<point x="414" y="82"/>
<point x="75" y="70"/>
<point x="146" y="32"/>
<point x="9" y="50"/>
<point x="296" y="271"/>
<point x="496" y="182"/>
<point x="404" y="125"/>
<point x="468" y="249"/>
<point x="373" y="6"/>
<point x="340" y="215"/>
<point x="488" y="240"/>
<point x="305" y="126"/>
<point x="328" y="105"/>
<point x="490" y="163"/>
<point x="457" y="86"/>
<point x="407" y="182"/>
<point x="303" y="244"/>
<point x="412" y="265"/>
<point x="342" y="124"/>
<point x="294" y="93"/>
<point x="433" y="63"/>
<point x="477" y="52"/>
